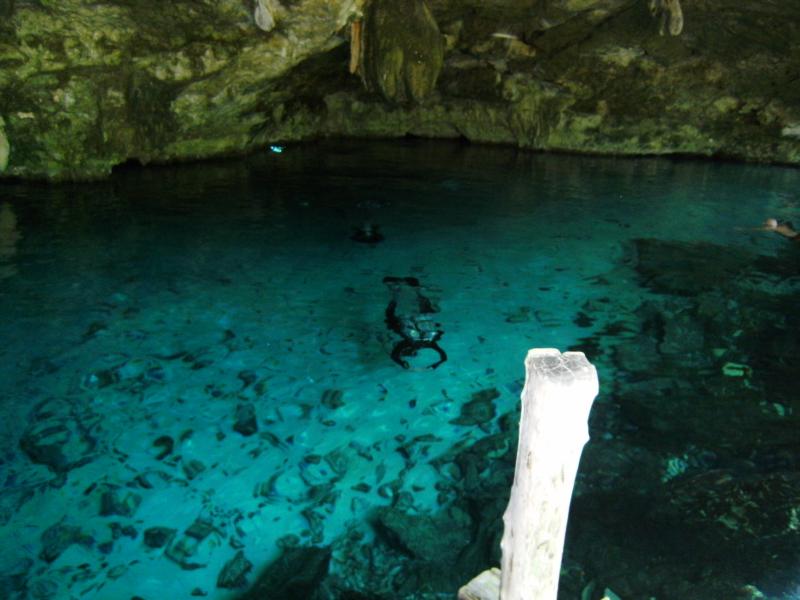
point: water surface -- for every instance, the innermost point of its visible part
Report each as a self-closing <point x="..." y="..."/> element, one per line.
<point x="196" y="378"/>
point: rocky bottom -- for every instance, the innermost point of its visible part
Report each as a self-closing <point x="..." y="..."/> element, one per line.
<point x="689" y="463"/>
<point x="172" y="437"/>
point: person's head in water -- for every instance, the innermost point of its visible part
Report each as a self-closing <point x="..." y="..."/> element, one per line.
<point x="783" y="228"/>
<point x="368" y="233"/>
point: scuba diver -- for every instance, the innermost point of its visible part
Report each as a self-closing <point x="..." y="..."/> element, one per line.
<point x="409" y="316"/>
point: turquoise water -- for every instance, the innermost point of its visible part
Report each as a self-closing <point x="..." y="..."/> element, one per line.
<point x="198" y="395"/>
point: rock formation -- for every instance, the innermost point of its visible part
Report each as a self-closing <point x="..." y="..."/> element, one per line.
<point x="669" y="15"/>
<point x="403" y="50"/>
<point x="87" y="86"/>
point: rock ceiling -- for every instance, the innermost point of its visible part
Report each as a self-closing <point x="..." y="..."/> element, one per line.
<point x="87" y="85"/>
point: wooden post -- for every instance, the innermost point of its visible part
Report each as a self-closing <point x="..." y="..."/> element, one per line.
<point x="558" y="395"/>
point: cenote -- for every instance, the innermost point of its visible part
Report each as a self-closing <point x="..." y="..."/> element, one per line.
<point x="199" y="397"/>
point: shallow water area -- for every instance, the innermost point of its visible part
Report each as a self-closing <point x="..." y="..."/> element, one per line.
<point x="197" y="379"/>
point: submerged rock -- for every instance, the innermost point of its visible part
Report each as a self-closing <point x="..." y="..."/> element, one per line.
<point x="688" y="268"/>
<point x="332" y="399"/>
<point x="14" y="577"/>
<point x="194" y="548"/>
<point x="116" y="501"/>
<point x="246" y="423"/>
<point x="58" y="437"/>
<point x="158" y="537"/>
<point x="480" y="409"/>
<point x="234" y="573"/>
<point x="737" y="507"/>
<point x="59" y="537"/>
<point x="437" y="539"/>
<point x="295" y="575"/>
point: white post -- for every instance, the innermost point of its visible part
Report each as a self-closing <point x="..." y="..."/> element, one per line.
<point x="558" y="395"/>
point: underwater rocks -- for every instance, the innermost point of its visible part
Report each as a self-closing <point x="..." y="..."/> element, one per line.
<point x="688" y="268"/>
<point x="234" y="573"/>
<point x="295" y="575"/>
<point x="721" y="512"/>
<point x="194" y="547"/>
<point x="13" y="578"/>
<point x="480" y="409"/>
<point x="246" y="423"/>
<point x="158" y="537"/>
<point x="332" y="399"/>
<point x="59" y="436"/>
<point x="436" y="539"/>
<point x="117" y="501"/>
<point x="409" y="556"/>
<point x="57" y="538"/>
<point x="697" y="453"/>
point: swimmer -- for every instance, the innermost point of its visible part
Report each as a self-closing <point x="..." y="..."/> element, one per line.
<point x="367" y="234"/>
<point x="783" y="228"/>
<point x="409" y="316"/>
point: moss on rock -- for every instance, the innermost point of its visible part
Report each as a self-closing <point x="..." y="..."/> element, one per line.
<point x="88" y="85"/>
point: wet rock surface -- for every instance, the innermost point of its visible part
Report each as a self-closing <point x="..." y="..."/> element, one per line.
<point x="208" y="80"/>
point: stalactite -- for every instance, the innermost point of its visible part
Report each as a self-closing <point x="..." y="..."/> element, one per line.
<point x="5" y="148"/>
<point x="670" y="15"/>
<point x="356" y="46"/>
<point x="266" y="13"/>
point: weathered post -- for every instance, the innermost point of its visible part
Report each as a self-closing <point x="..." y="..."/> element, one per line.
<point x="558" y="395"/>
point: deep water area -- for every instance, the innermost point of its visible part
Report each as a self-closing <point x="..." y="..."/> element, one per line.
<point x="215" y="379"/>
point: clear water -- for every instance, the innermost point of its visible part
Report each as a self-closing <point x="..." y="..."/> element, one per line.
<point x="142" y="315"/>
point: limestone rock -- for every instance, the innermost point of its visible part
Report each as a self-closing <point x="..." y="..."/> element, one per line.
<point x="234" y="573"/>
<point x="59" y="537"/>
<point x="297" y="573"/>
<point x="436" y="539"/>
<point x="670" y="15"/>
<point x="116" y="501"/>
<point x="87" y="86"/>
<point x="58" y="436"/>
<point x="332" y="399"/>
<point x="194" y="548"/>
<point x="479" y="409"/>
<point x="246" y="422"/>
<point x="158" y="537"/>
<point x="688" y="268"/>
<point x="737" y="506"/>
<point x="15" y="576"/>
<point x="266" y="13"/>
<point x="404" y="50"/>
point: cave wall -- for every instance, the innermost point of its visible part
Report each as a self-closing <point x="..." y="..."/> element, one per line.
<point x="89" y="84"/>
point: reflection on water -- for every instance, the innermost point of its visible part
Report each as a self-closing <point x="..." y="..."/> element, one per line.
<point x="9" y="236"/>
<point x="199" y="397"/>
